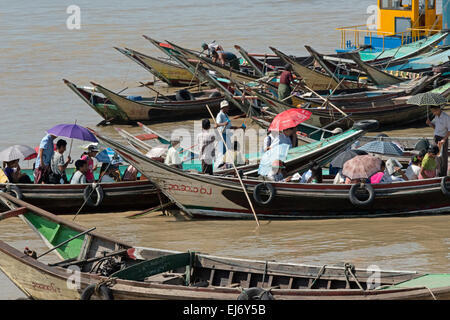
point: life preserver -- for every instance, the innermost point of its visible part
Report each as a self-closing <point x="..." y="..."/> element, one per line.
<point x="184" y="95"/>
<point x="444" y="188"/>
<point x="14" y="190"/>
<point x="366" y="125"/>
<point x="87" y="195"/>
<point x="354" y="198"/>
<point x="257" y="196"/>
<point x="255" y="293"/>
<point x="104" y="291"/>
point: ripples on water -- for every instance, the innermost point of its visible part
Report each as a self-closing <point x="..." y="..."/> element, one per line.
<point x="37" y="51"/>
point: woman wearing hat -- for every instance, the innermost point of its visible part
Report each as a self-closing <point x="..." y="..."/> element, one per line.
<point x="89" y="158"/>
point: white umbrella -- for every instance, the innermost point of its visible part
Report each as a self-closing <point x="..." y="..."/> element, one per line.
<point x="18" y="151"/>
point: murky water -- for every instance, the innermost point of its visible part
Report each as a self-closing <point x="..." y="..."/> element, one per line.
<point x="37" y="51"/>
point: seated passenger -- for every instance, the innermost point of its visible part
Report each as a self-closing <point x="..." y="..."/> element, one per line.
<point x="111" y="175"/>
<point x="14" y="173"/>
<point x="173" y="158"/>
<point x="277" y="173"/>
<point x="339" y="178"/>
<point x="413" y="170"/>
<point x="429" y="163"/>
<point x="130" y="174"/>
<point x="79" y="177"/>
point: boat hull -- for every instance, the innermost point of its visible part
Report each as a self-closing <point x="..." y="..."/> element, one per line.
<point x="68" y="198"/>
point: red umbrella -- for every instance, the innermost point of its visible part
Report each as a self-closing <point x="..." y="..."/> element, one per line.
<point x="289" y="119"/>
<point x="34" y="155"/>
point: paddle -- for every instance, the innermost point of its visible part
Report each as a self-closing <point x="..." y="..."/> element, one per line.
<point x="237" y="173"/>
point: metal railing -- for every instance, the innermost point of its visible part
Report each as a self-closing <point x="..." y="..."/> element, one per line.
<point x="354" y="33"/>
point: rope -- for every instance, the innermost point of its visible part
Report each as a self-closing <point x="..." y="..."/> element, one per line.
<point x="264" y="274"/>
<point x="432" y="294"/>
<point x="107" y="282"/>
<point x="319" y="274"/>
<point x="348" y="268"/>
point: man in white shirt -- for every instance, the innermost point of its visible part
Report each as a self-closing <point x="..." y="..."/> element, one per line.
<point x="205" y="142"/>
<point x="224" y="127"/>
<point x="79" y="177"/>
<point x="173" y="158"/>
<point x="441" y="126"/>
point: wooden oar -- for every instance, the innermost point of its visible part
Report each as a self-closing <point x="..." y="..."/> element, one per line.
<point x="235" y="169"/>
<point x="151" y="210"/>
<point x="64" y="242"/>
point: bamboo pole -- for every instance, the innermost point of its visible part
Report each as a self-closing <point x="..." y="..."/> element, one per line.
<point x="318" y="95"/>
<point x="148" y="87"/>
<point x="235" y="169"/>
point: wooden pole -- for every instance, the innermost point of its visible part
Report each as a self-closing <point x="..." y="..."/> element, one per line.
<point x="318" y="95"/>
<point x="235" y="169"/>
<point x="148" y="87"/>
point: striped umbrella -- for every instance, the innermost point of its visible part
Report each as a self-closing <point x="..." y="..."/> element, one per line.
<point x="361" y="167"/>
<point x="382" y="147"/>
<point x="18" y="151"/>
<point x="427" y="99"/>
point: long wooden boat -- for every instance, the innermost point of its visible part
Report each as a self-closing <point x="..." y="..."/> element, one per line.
<point x="116" y="108"/>
<point x="170" y="73"/>
<point x="314" y="79"/>
<point x="393" y="111"/>
<point x="214" y="196"/>
<point x="112" y="269"/>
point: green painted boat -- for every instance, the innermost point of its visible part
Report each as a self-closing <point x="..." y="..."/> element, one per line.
<point x="92" y="265"/>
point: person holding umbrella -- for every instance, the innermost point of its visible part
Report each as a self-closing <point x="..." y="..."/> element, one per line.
<point x="42" y="165"/>
<point x="441" y="126"/>
<point x="11" y="169"/>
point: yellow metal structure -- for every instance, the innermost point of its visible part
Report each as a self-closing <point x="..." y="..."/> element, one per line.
<point x="409" y="20"/>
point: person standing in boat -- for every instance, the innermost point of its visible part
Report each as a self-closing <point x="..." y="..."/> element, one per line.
<point x="284" y="87"/>
<point x="224" y="127"/>
<point x="173" y="158"/>
<point x="441" y="126"/>
<point x="43" y="159"/>
<point x="89" y="158"/>
<point x="205" y="142"/>
<point x="58" y="165"/>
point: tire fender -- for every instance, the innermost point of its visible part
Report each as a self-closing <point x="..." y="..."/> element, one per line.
<point x="256" y="193"/>
<point x="88" y="192"/>
<point x="444" y="188"/>
<point x="104" y="292"/>
<point x="255" y="293"/>
<point x="354" y="199"/>
<point x="14" y="190"/>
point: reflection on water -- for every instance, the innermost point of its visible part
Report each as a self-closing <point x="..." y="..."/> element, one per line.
<point x="37" y="51"/>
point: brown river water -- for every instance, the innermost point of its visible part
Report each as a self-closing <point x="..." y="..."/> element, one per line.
<point x="37" y="51"/>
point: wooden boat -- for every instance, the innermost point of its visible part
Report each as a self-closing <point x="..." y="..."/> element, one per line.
<point x="122" y="271"/>
<point x="68" y="198"/>
<point x="215" y="196"/>
<point x="118" y="108"/>
<point x="314" y="79"/>
<point x="393" y="111"/>
<point x="170" y="73"/>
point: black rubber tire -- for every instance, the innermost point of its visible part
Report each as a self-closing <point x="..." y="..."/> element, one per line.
<point x="257" y="196"/>
<point x="366" y="125"/>
<point x="184" y="95"/>
<point x="382" y="135"/>
<point x="215" y="94"/>
<point x="255" y="293"/>
<point x="354" y="199"/>
<point x="105" y="292"/>
<point x="87" y="195"/>
<point x="14" y="191"/>
<point x="445" y="190"/>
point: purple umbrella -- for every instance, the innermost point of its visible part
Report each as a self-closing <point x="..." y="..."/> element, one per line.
<point x="73" y="131"/>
